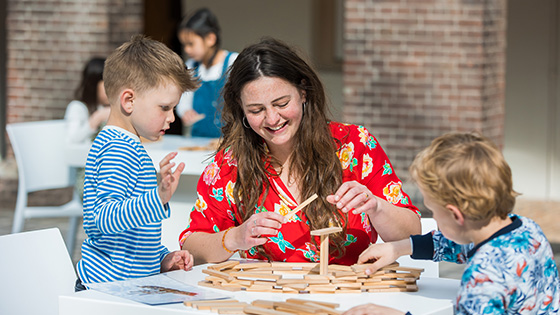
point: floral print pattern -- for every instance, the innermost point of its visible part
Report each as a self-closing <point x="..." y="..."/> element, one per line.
<point x="362" y="160"/>
<point x="511" y="273"/>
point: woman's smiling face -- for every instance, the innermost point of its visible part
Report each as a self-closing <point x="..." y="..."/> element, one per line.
<point x="274" y="109"/>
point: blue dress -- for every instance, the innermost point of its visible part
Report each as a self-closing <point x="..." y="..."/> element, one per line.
<point x="207" y="100"/>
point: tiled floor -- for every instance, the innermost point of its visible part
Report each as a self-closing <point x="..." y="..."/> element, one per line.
<point x="546" y="214"/>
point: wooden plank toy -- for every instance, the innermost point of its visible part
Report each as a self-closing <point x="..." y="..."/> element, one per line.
<point x="324" y="251"/>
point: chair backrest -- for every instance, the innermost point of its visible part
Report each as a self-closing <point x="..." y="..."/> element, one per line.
<point x="35" y="269"/>
<point x="40" y="152"/>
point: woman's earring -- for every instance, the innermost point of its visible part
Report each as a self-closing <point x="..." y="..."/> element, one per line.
<point x="245" y="124"/>
<point x="304" y="103"/>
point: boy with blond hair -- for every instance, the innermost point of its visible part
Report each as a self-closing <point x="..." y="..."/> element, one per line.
<point x="467" y="185"/>
<point x="123" y="203"/>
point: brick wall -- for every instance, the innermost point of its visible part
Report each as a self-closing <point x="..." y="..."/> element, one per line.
<point x="48" y="43"/>
<point x="416" y="69"/>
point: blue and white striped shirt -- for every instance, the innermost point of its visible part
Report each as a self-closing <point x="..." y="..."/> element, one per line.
<point x="122" y="210"/>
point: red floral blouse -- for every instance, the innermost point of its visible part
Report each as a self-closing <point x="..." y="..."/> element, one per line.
<point x="363" y="160"/>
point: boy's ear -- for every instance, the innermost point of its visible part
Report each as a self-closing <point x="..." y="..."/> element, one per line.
<point x="127" y="100"/>
<point x="456" y="213"/>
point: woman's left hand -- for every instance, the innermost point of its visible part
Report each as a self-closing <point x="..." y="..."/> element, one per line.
<point x="356" y="197"/>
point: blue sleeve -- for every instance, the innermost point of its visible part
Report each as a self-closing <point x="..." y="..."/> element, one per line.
<point x="434" y="246"/>
<point x="125" y="199"/>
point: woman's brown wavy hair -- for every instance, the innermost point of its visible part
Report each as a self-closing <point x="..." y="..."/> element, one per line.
<point x="314" y="162"/>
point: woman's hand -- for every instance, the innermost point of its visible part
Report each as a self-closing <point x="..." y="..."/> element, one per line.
<point x="253" y="232"/>
<point x="372" y="309"/>
<point x="356" y="197"/>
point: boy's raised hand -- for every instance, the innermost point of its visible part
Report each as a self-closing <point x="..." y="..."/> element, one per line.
<point x="177" y="260"/>
<point x="169" y="178"/>
<point x="384" y="254"/>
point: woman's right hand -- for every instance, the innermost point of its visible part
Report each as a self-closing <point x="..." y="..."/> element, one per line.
<point x="254" y="231"/>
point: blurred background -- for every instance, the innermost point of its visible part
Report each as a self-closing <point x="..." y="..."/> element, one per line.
<point x="408" y="70"/>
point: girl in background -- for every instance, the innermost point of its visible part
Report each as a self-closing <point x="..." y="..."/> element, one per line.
<point x="89" y="111"/>
<point x="200" y="36"/>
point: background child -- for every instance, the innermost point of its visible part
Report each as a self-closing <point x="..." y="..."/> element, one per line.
<point x="467" y="184"/>
<point x="123" y="203"/>
<point x="200" y="36"/>
<point x="86" y="115"/>
<point x="90" y="109"/>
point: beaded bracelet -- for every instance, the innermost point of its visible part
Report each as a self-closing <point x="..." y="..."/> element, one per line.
<point x="224" y="238"/>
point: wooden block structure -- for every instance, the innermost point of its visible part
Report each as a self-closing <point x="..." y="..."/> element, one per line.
<point x="285" y="277"/>
<point x="324" y="250"/>
<point x="265" y="307"/>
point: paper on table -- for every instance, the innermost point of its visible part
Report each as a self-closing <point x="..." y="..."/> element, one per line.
<point x="155" y="290"/>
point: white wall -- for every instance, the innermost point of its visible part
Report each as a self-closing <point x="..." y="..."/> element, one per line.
<point x="244" y="22"/>
<point x="532" y="134"/>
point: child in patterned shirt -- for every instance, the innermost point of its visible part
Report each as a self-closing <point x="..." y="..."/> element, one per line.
<point x="467" y="184"/>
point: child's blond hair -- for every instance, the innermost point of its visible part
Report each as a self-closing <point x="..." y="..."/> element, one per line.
<point x="142" y="64"/>
<point x="467" y="171"/>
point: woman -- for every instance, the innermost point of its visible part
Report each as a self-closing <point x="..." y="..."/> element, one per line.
<point x="278" y="149"/>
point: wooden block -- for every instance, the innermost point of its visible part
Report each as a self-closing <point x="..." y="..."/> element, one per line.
<point x="303" y="301"/>
<point x="296" y="281"/>
<point x="260" y="288"/>
<point x="348" y="290"/>
<point x="348" y="285"/>
<point x="218" y="274"/>
<point x="340" y="268"/>
<point x="246" y="266"/>
<point x="295" y="307"/>
<point x="326" y="231"/>
<point x="250" y="309"/>
<point x="323" y="308"/>
<point x="296" y="286"/>
<point x="314" y="277"/>
<point x="217" y="307"/>
<point x="338" y="274"/>
<point x="347" y="278"/>
<point x="255" y="275"/>
<point x="263" y="303"/>
<point x="225" y="265"/>
<point x="213" y="286"/>
<point x="232" y="310"/>
<point x="293" y="266"/>
<point x="302" y="205"/>
<point x="321" y="287"/>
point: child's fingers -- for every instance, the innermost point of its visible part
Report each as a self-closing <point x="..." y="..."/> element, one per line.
<point x="179" y="170"/>
<point x="167" y="159"/>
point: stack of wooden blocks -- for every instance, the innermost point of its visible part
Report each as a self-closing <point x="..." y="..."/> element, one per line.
<point x="264" y="307"/>
<point x="282" y="277"/>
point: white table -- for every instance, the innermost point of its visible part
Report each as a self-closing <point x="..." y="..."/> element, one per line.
<point x="434" y="296"/>
<point x="195" y="161"/>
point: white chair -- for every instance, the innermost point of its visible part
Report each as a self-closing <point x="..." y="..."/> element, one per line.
<point x="175" y="224"/>
<point x="40" y="152"/>
<point x="35" y="269"/>
<point x="431" y="269"/>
